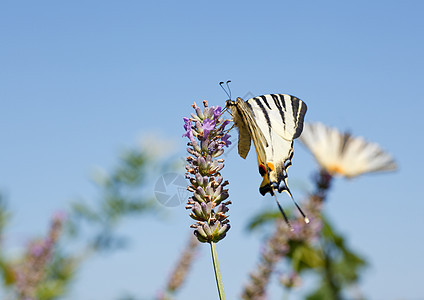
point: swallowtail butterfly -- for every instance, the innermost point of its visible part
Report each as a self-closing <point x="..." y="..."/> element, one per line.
<point x="272" y="122"/>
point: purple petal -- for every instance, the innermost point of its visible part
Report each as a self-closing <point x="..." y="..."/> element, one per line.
<point x="36" y="249"/>
<point x="207" y="126"/>
<point x="187" y="127"/>
<point x="225" y="139"/>
<point x="225" y="123"/>
<point x="217" y="112"/>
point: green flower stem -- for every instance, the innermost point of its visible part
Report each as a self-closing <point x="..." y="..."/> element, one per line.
<point x="217" y="272"/>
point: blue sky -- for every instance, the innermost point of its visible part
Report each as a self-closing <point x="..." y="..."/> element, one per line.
<point x="80" y="81"/>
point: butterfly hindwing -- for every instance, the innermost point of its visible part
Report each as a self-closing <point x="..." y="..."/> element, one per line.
<point x="244" y="141"/>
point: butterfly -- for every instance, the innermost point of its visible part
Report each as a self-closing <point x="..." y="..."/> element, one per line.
<point x="272" y="122"/>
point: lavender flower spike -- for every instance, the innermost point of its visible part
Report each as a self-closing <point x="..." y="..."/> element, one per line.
<point x="33" y="269"/>
<point x="206" y="132"/>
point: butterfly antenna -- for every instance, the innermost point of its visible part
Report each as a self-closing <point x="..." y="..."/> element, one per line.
<point x="298" y="207"/>
<point x="283" y="213"/>
<point x="225" y="109"/>
<point x="227" y="92"/>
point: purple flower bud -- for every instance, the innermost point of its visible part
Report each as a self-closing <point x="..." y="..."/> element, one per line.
<point x="204" y="145"/>
<point x="201" y="234"/>
<point x="224" y="229"/>
<point x="199" y="179"/>
<point x="199" y="113"/>
<point x="195" y="145"/>
<point x="198" y="211"/>
<point x="221" y="197"/>
<point x="221" y="209"/>
<point x="195" y="117"/>
<point x="217" y="167"/>
<point x="208" y="230"/>
<point x="213" y="146"/>
<point x="202" y="165"/>
<point x="214" y="228"/>
<point x="192" y="152"/>
<point x="201" y="191"/>
<point x="209" y="191"/>
<point x="198" y="126"/>
<point x="217" y="192"/>
<point x="198" y="197"/>
<point x="206" y="208"/>
<point x="208" y="113"/>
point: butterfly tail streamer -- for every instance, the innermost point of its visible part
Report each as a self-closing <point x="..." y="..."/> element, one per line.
<point x="305" y="218"/>
<point x="283" y="213"/>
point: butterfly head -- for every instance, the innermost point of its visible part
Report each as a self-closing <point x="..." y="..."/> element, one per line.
<point x="230" y="103"/>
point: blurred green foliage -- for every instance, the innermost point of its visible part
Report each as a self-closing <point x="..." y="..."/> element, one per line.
<point x="330" y="259"/>
<point x="92" y="223"/>
<point x="121" y="194"/>
<point x="5" y="266"/>
<point x="341" y="265"/>
<point x="59" y="274"/>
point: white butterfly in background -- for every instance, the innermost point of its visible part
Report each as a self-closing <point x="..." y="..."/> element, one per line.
<point x="343" y="154"/>
<point x="272" y="121"/>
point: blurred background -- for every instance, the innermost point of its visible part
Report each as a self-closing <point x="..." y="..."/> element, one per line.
<point x="92" y="96"/>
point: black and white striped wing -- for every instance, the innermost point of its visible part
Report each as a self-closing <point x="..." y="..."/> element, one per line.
<point x="280" y="119"/>
<point x="283" y="113"/>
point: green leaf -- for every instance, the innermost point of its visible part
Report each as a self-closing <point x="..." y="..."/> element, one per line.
<point x="342" y="266"/>
<point x="304" y="256"/>
<point x="263" y="218"/>
<point x="7" y="271"/>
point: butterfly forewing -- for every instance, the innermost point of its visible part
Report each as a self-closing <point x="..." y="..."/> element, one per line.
<point x="284" y="113"/>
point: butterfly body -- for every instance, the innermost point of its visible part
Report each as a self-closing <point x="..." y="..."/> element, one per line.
<point x="272" y="122"/>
